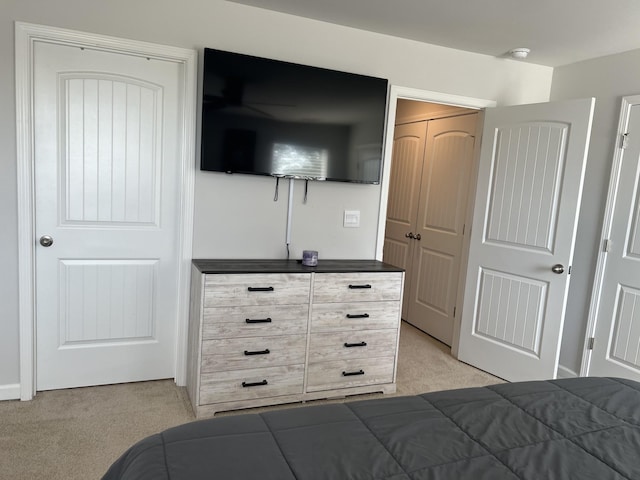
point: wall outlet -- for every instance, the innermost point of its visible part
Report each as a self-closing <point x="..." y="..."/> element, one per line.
<point x="351" y="219"/>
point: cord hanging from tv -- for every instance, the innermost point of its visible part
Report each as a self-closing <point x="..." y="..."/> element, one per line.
<point x="268" y="117"/>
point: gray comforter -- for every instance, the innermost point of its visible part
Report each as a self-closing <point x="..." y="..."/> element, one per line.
<point x="582" y="428"/>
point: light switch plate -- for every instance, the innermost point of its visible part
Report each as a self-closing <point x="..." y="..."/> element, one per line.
<point x="351" y="218"/>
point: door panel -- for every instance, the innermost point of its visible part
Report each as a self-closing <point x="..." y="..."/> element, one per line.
<point x="404" y="190"/>
<point x="106" y="301"/>
<point x="525" y="216"/>
<point x="509" y="310"/>
<point x="106" y="130"/>
<point x="442" y="209"/>
<point x="525" y="194"/>
<point x="110" y="171"/>
<point x="616" y="350"/>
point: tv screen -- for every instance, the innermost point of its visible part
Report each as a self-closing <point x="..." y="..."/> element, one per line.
<point x="268" y="117"/>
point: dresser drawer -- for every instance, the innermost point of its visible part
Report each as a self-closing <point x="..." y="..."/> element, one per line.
<point x="356" y="287"/>
<point x="230" y="322"/>
<point x="256" y="289"/>
<point x="249" y="384"/>
<point x="327" y="317"/>
<point x="252" y="352"/>
<point x="350" y="345"/>
<point x="349" y="373"/>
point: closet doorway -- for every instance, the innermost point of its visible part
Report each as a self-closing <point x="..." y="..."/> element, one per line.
<point x="432" y="164"/>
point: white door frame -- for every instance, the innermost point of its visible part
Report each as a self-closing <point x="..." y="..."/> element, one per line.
<point x="397" y="92"/>
<point x="625" y="112"/>
<point x="26" y="35"/>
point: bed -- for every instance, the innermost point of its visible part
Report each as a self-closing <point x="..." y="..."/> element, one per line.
<point x="583" y="428"/>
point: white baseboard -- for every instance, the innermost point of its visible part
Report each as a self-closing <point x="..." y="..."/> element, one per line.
<point x="564" y="372"/>
<point x="10" y="392"/>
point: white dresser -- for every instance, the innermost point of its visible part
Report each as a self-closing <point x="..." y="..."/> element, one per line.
<point x="265" y="332"/>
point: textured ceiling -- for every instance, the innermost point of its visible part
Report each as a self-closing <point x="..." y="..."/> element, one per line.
<point x="558" y="32"/>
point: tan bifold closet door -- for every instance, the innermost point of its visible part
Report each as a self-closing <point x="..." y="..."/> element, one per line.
<point x="428" y="195"/>
<point x="107" y="129"/>
<point x="440" y="225"/>
<point x="404" y="195"/>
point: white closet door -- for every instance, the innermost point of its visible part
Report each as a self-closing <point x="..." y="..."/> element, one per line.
<point x="106" y="173"/>
<point x="525" y="216"/>
<point x="616" y="350"/>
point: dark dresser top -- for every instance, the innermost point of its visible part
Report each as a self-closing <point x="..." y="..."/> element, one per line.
<point x="291" y="266"/>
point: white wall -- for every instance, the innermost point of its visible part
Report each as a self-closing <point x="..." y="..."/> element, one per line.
<point x="235" y="215"/>
<point x="607" y="79"/>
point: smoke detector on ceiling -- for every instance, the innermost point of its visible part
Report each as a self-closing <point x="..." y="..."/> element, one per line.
<point x="519" y="53"/>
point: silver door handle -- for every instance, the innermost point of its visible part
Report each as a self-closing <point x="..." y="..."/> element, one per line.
<point x="417" y="236"/>
<point x="409" y="235"/>
<point x="558" y="268"/>
<point x="46" y="240"/>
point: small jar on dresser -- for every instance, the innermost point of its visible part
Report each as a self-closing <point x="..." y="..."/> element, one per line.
<point x="266" y="332"/>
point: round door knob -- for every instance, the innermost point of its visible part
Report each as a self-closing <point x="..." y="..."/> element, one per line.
<point x="418" y="236"/>
<point x="558" y="268"/>
<point x="46" y="240"/>
<point x="409" y="235"/>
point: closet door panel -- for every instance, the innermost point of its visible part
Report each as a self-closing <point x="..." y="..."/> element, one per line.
<point x="442" y="207"/>
<point x="404" y="195"/>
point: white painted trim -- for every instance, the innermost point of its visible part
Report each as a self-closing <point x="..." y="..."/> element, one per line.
<point x="24" y="136"/>
<point x="26" y="35"/>
<point x="185" y="248"/>
<point x="10" y="392"/>
<point x="442" y="98"/>
<point x="614" y="180"/>
<point x="564" y="372"/>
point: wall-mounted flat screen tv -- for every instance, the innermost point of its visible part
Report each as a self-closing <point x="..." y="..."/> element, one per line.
<point x="268" y="117"/>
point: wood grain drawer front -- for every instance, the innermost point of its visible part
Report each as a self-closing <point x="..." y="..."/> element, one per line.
<point x="249" y="384"/>
<point x="349" y="373"/>
<point x="327" y="317"/>
<point x="256" y="289"/>
<point x="357" y="287"/>
<point x="232" y="322"/>
<point x="350" y="345"/>
<point x="252" y="352"/>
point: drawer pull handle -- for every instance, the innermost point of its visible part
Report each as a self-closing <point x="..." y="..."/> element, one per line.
<point x="361" y="344"/>
<point x="261" y="289"/>
<point x="254" y="384"/>
<point x="353" y="287"/>
<point x="351" y="374"/>
<point x="360" y="315"/>
<point x="258" y="320"/>
<point x="257" y="352"/>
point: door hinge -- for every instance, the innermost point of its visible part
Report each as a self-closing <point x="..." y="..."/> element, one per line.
<point x="592" y="340"/>
<point x="464" y="225"/>
<point x="606" y="247"/>
<point x="624" y="141"/>
<point x="454" y="312"/>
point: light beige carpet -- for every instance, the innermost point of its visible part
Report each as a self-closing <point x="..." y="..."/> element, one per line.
<point x="77" y="433"/>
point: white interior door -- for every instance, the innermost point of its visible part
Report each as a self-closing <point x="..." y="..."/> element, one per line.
<point x="404" y="192"/>
<point x="528" y="196"/>
<point x="616" y="350"/>
<point x="439" y="230"/>
<point x="106" y="192"/>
